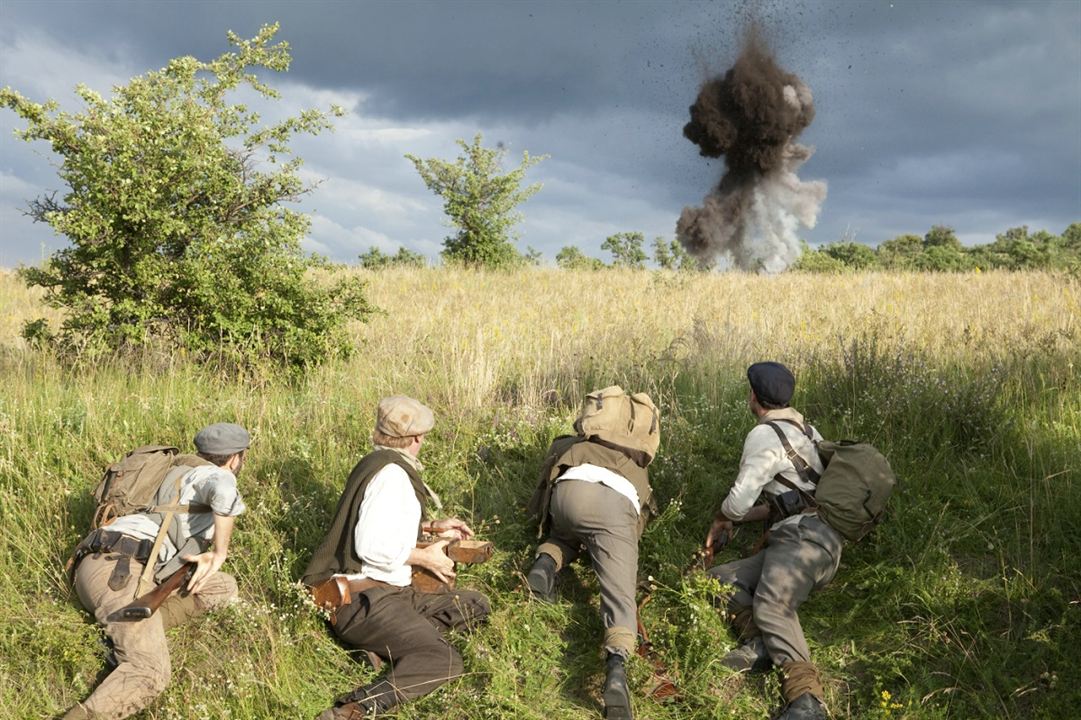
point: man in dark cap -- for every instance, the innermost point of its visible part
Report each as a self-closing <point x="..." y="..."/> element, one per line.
<point x="371" y="547"/>
<point x="779" y="464"/>
<point x="198" y="502"/>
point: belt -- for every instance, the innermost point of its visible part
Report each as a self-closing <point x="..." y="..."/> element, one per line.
<point x="338" y="591"/>
<point x="109" y="541"/>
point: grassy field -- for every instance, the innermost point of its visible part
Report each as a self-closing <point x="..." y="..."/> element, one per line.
<point x="966" y="603"/>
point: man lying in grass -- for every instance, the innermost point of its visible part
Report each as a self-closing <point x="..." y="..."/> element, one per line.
<point x="801" y="555"/>
<point x="372" y="546"/>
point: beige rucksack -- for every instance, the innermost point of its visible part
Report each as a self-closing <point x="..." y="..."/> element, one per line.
<point x="625" y="420"/>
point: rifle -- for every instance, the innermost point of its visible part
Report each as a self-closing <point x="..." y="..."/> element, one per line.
<point x="470" y="552"/>
<point x="146" y="605"/>
<point x="661" y="685"/>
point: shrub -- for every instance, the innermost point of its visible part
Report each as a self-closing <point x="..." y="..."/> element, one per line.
<point x="175" y="217"/>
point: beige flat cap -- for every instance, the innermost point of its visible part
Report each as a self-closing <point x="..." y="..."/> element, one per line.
<point x="401" y="416"/>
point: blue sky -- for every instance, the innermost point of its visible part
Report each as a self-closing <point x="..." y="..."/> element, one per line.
<point x="959" y="113"/>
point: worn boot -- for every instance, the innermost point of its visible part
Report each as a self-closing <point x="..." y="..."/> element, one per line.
<point x="750" y="657"/>
<point x="78" y="712"/>
<point x="617" y="695"/>
<point x="805" y="707"/>
<point x="367" y="701"/>
<point x="542" y="578"/>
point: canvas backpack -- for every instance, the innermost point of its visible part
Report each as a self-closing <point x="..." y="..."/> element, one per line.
<point x="618" y="418"/>
<point x="852" y="492"/>
<point x="144" y="481"/>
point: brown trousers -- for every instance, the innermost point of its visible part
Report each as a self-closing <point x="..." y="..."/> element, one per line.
<point x="141" y="651"/>
<point x="406" y="628"/>
<point x="604" y="522"/>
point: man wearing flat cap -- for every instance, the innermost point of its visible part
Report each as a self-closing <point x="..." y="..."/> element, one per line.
<point x="802" y="552"/>
<point x="197" y="504"/>
<point x="372" y="547"/>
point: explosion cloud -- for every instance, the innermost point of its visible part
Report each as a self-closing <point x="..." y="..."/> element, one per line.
<point x="751" y="116"/>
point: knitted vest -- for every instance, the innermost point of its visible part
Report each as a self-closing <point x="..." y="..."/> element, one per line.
<point x="568" y="451"/>
<point x="337" y="553"/>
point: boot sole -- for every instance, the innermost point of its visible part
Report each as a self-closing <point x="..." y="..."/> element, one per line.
<point x="617" y="706"/>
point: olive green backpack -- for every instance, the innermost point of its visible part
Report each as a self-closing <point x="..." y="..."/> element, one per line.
<point x="852" y="492"/>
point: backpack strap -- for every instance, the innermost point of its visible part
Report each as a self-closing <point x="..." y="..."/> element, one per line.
<point x="146" y="580"/>
<point x="806" y="473"/>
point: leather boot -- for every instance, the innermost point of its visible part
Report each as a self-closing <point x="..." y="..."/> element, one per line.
<point x="77" y="712"/>
<point x="542" y="578"/>
<point x="370" y="700"/>
<point x="750" y="657"/>
<point x="617" y="695"/>
<point x="805" y="707"/>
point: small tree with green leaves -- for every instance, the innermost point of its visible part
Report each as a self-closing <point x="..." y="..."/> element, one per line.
<point x="626" y="249"/>
<point x="480" y="201"/>
<point x="376" y="259"/>
<point x="175" y="218"/>
<point x="671" y="255"/>
<point x="571" y="258"/>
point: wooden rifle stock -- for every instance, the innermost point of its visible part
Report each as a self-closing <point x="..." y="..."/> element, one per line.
<point x="146" y="605"/>
<point x="470" y="552"/>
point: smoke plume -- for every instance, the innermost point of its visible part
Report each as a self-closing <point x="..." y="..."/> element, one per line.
<point x="752" y="116"/>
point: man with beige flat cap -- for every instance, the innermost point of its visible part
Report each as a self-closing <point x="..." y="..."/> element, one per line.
<point x="372" y="545"/>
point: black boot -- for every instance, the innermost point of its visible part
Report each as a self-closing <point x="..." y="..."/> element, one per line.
<point x="617" y="696"/>
<point x="805" y="707"/>
<point x="542" y="578"/>
<point x="366" y="701"/>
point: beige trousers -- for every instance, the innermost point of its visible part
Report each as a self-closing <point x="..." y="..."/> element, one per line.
<point x="141" y="650"/>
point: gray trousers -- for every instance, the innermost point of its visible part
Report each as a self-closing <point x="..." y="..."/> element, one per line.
<point x="606" y="524"/>
<point x="800" y="557"/>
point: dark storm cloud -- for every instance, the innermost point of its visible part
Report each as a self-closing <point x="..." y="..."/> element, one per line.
<point x="964" y="113"/>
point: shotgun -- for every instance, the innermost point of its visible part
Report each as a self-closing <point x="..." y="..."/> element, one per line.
<point x="146" y="605"/>
<point x="460" y="551"/>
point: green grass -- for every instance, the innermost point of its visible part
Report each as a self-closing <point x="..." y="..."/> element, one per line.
<point x="965" y="603"/>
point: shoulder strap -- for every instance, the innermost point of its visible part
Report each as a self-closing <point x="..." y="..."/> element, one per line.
<point x="806" y="473"/>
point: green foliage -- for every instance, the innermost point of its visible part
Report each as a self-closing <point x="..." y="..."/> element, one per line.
<point x="900" y="253"/>
<point x="671" y="255"/>
<point x="941" y="251"/>
<point x="817" y="261"/>
<point x="376" y="259"/>
<point x="479" y="201"/>
<point x="174" y="212"/>
<point x="941" y="236"/>
<point x="571" y="258"/>
<point x="626" y="249"/>
<point x="856" y="256"/>
<point x="532" y="256"/>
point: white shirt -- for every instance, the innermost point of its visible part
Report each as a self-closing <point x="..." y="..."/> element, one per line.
<point x="606" y="477"/>
<point x="386" y="529"/>
<point x="764" y="457"/>
<point x="205" y="485"/>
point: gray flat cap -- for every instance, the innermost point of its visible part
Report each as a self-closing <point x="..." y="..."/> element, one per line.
<point x="222" y="439"/>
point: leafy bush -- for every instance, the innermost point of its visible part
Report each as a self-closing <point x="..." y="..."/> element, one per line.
<point x="571" y="258"/>
<point x="174" y="214"/>
<point x="376" y="259"/>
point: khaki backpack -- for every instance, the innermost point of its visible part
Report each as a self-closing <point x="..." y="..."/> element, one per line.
<point x="625" y="420"/>
<point x="137" y="484"/>
<point x="852" y="492"/>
